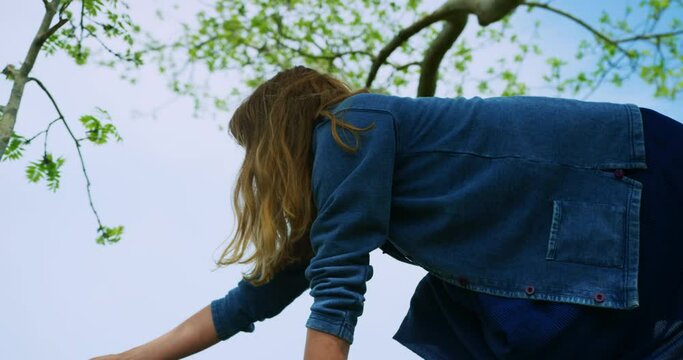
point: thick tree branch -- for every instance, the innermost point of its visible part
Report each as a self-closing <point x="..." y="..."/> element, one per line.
<point x="490" y="11"/>
<point x="20" y="76"/>
<point x="487" y="12"/>
<point x="403" y="36"/>
<point x="54" y="28"/>
<point x="429" y="68"/>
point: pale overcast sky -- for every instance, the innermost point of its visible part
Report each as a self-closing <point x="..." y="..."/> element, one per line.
<point x="170" y="184"/>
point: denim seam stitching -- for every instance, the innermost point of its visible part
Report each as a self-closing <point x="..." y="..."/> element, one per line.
<point x="631" y="120"/>
<point x="604" y="165"/>
<point x="554" y="225"/>
<point x="342" y="329"/>
<point x="631" y="273"/>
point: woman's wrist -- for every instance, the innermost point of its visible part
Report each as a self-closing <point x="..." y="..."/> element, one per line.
<point x="132" y="354"/>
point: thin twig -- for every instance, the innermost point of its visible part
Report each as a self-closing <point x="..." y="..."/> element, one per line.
<point x="78" y="148"/>
<point x="118" y="55"/>
<point x="27" y="141"/>
<point x="80" y="39"/>
<point x="650" y="36"/>
<point x="47" y="131"/>
<point x="580" y="22"/>
<point x="398" y="67"/>
<point x="603" y="76"/>
<point x="65" y="4"/>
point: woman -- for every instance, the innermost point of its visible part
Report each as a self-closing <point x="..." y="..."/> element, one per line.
<point x="545" y="230"/>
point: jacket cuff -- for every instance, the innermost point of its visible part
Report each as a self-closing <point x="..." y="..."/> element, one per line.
<point x="227" y="320"/>
<point x="339" y="327"/>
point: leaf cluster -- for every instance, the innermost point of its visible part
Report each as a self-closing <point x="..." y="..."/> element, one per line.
<point x="109" y="235"/>
<point x="98" y="132"/>
<point x="98" y="25"/>
<point x="259" y="38"/>
<point x="47" y="168"/>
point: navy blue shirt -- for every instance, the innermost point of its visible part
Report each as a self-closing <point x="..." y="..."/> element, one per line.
<point x="503" y="196"/>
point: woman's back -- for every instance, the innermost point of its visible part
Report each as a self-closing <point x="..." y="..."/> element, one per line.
<point x="446" y="321"/>
<point x="506" y="196"/>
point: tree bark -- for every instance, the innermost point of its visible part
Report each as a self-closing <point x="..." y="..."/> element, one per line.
<point x="20" y="76"/>
<point x="487" y="12"/>
<point x="429" y="69"/>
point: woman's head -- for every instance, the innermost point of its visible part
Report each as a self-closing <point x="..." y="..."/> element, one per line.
<point x="272" y="197"/>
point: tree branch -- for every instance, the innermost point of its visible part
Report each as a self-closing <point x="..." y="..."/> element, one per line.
<point x="20" y="76"/>
<point x="80" y="38"/>
<point x="403" y="36"/>
<point x="429" y="69"/>
<point x="487" y="11"/>
<point x="580" y="22"/>
<point x="54" y="28"/>
<point x="107" y="48"/>
<point x="490" y="11"/>
<point x="403" y="66"/>
<point x="100" y="227"/>
<point x="650" y="36"/>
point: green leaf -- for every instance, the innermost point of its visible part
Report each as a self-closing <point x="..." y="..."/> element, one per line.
<point x="92" y="7"/>
<point x="90" y="122"/>
<point x="52" y="172"/>
<point x="15" y="147"/>
<point x="48" y="168"/>
<point x="109" y="235"/>
<point x="617" y="80"/>
<point x="604" y="18"/>
<point x="34" y="172"/>
<point x="97" y="132"/>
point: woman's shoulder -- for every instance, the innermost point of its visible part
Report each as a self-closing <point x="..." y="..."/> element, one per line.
<point x="369" y="101"/>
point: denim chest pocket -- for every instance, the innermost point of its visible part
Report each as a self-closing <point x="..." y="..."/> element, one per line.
<point x="587" y="233"/>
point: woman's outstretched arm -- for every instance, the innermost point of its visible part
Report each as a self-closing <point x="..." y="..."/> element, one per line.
<point x="191" y="336"/>
<point x="320" y="345"/>
<point x="224" y="317"/>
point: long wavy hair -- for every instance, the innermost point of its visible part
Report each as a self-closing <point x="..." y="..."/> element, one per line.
<point x="272" y="199"/>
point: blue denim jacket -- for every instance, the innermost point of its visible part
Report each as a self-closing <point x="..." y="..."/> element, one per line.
<point x="521" y="197"/>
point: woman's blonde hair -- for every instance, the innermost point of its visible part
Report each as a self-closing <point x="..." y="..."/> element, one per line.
<point x="272" y="198"/>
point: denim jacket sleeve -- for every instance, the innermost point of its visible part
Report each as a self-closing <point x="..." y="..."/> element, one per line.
<point x="245" y="304"/>
<point x="352" y="193"/>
